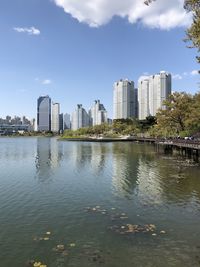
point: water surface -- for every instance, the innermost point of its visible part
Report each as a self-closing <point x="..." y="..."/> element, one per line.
<point x="85" y="194"/>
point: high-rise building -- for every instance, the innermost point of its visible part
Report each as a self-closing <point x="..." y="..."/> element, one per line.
<point x="44" y="113"/>
<point x="152" y="91"/>
<point x="97" y="113"/>
<point x="80" y="118"/>
<point x="66" y="121"/>
<point x="61" y="126"/>
<point x="124" y="100"/>
<point x="143" y="98"/>
<point x="55" y="117"/>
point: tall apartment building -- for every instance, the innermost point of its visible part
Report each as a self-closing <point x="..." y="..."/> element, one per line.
<point x="143" y="98"/>
<point x="66" y="121"/>
<point x="97" y="113"/>
<point x="61" y="123"/>
<point x="152" y="91"/>
<point x="124" y="100"/>
<point x="80" y="118"/>
<point x="44" y="113"/>
<point x="55" y="117"/>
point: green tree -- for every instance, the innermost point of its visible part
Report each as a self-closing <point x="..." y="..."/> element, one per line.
<point x="193" y="120"/>
<point x="173" y="119"/>
<point x="193" y="32"/>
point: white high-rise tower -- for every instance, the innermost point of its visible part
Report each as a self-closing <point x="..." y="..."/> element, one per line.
<point x="152" y="91"/>
<point x="124" y="100"/>
<point x="97" y="113"/>
<point x="55" y="117"/>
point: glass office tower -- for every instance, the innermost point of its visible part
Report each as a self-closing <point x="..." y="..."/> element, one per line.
<point x="44" y="113"/>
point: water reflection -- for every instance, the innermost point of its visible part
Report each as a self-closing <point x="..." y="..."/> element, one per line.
<point x="125" y="168"/>
<point x="138" y="171"/>
<point x="84" y="155"/>
<point x="49" y="155"/>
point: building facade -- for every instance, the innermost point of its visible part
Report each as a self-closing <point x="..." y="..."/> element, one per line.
<point x="124" y="100"/>
<point x="61" y="123"/>
<point x="80" y="118"/>
<point x="152" y="91"/>
<point x="66" y="121"/>
<point x="143" y="98"/>
<point x="44" y="113"/>
<point x="97" y="113"/>
<point x="55" y="124"/>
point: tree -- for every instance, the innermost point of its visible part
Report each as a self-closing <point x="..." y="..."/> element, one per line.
<point x="173" y="119"/>
<point x="193" y="32"/>
<point x="193" y="120"/>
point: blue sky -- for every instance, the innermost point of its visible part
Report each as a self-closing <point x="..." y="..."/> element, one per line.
<point x="74" y="52"/>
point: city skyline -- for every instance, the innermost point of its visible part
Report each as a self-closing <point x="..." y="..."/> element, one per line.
<point x="75" y="62"/>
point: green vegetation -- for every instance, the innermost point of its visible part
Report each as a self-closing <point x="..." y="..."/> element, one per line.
<point x="120" y="127"/>
<point x="181" y="117"/>
<point x="193" y="33"/>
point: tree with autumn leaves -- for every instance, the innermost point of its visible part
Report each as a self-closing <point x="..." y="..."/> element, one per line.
<point x="181" y="116"/>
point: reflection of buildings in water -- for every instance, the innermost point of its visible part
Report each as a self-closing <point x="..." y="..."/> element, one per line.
<point x="125" y="164"/>
<point x="88" y="155"/>
<point x="17" y="149"/>
<point x="80" y="154"/>
<point x="49" y="154"/>
<point x="99" y="152"/>
<point x="148" y="179"/>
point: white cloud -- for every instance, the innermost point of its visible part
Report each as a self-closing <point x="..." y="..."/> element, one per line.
<point x="30" y="31"/>
<point x="177" y="77"/>
<point x="143" y="77"/>
<point x="46" y="82"/>
<point x="162" y="14"/>
<point x="194" y="72"/>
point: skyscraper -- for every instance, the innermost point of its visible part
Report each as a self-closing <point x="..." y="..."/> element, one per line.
<point x="55" y="117"/>
<point x="67" y="123"/>
<point x="80" y="118"/>
<point x="61" y="125"/>
<point x="97" y="113"/>
<point x="143" y="98"/>
<point x="44" y="113"/>
<point x="152" y="91"/>
<point x="124" y="100"/>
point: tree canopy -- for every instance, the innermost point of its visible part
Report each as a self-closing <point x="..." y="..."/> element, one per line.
<point x="181" y="116"/>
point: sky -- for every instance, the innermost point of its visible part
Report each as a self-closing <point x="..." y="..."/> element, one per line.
<point x="74" y="50"/>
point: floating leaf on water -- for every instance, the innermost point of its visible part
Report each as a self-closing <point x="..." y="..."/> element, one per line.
<point x="37" y="264"/>
<point x="65" y="253"/>
<point x="46" y="238"/>
<point x="60" y="247"/>
<point x="48" y="233"/>
<point x="72" y="245"/>
<point x="162" y="232"/>
<point x="154" y="234"/>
